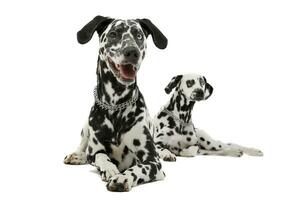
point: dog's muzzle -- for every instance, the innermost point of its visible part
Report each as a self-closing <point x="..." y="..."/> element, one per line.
<point x="197" y="95"/>
<point x="131" y="54"/>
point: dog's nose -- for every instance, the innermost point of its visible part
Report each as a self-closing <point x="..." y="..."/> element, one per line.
<point x="199" y="94"/>
<point x="131" y="54"/>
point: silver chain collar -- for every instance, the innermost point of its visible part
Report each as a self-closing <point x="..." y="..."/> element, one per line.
<point x="120" y="106"/>
<point x="176" y="118"/>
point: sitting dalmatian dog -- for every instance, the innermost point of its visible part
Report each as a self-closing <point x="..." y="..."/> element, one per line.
<point x="117" y="139"/>
<point x="175" y="134"/>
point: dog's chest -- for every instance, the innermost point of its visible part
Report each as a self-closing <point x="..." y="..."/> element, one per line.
<point x="109" y="126"/>
<point x="123" y="150"/>
<point x="118" y="133"/>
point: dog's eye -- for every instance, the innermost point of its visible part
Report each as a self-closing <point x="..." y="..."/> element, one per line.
<point x="190" y="83"/>
<point x="113" y="34"/>
<point x="139" y="36"/>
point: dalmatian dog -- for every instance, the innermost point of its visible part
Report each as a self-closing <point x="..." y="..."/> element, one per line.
<point x="117" y="137"/>
<point x="175" y="134"/>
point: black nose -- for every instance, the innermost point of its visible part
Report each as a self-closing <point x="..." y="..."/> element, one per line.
<point x="131" y="54"/>
<point x="199" y="94"/>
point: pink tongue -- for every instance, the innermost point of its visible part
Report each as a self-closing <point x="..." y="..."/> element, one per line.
<point x="127" y="72"/>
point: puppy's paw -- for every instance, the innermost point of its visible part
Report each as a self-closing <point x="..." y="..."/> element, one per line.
<point x="253" y="152"/>
<point x="166" y="155"/>
<point x="120" y="183"/>
<point x="190" y="151"/>
<point x="77" y="158"/>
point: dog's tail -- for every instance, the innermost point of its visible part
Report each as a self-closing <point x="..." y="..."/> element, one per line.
<point x="247" y="150"/>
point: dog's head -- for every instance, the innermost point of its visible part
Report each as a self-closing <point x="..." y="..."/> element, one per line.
<point x="122" y="43"/>
<point x="194" y="87"/>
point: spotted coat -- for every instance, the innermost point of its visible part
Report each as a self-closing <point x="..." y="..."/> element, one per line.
<point x="118" y="142"/>
<point x="175" y="134"/>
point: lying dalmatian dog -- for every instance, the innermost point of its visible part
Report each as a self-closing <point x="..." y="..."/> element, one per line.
<point x="116" y="139"/>
<point x="175" y="134"/>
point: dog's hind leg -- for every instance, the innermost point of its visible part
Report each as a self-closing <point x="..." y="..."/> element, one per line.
<point x="209" y="146"/>
<point x="79" y="156"/>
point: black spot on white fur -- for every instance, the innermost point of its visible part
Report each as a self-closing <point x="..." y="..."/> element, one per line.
<point x="190" y="83"/>
<point x="136" y="142"/>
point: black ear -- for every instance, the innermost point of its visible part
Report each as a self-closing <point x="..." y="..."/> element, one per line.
<point x="99" y="23"/>
<point x="208" y="91"/>
<point x="173" y="83"/>
<point x="149" y="28"/>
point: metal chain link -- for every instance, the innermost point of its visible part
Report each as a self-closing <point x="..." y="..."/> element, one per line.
<point x="107" y="106"/>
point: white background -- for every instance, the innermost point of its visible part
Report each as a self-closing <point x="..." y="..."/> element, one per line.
<point x="248" y="50"/>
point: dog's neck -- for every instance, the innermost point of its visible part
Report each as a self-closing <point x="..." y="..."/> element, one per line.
<point x="109" y="89"/>
<point x="180" y="106"/>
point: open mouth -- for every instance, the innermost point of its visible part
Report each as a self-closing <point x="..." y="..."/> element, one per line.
<point x="126" y="72"/>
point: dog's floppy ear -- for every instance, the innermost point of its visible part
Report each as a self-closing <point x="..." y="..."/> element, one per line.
<point x="208" y="90"/>
<point x="99" y="23"/>
<point x="173" y="83"/>
<point x="149" y="28"/>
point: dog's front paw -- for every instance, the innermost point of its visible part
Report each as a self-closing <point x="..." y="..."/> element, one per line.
<point x="190" y="151"/>
<point x="120" y="183"/>
<point x="107" y="174"/>
<point x="108" y="171"/>
<point x="77" y="158"/>
<point x="166" y="155"/>
<point x="170" y="158"/>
